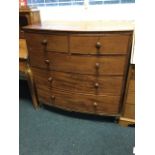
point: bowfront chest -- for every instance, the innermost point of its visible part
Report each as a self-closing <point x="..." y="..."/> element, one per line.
<point x="82" y="71"/>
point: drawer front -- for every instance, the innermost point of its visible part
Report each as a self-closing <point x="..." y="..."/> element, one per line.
<point x="43" y="96"/>
<point x="105" y="44"/>
<point x="38" y="58"/>
<point x="104" y="65"/>
<point x="87" y="84"/>
<point x="42" y="82"/>
<point x="86" y="103"/>
<point x="58" y="42"/>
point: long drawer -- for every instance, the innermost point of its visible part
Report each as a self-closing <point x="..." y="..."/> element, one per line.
<point x="87" y="84"/>
<point x="40" y="77"/>
<point x="42" y="84"/>
<point x="37" y="58"/>
<point x="85" y="103"/>
<point x="43" y="95"/>
<point x="77" y="83"/>
<point x="103" y="65"/>
<point x="100" y="43"/>
<point x="73" y="101"/>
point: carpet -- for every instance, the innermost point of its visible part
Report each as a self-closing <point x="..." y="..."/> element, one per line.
<point x="50" y="131"/>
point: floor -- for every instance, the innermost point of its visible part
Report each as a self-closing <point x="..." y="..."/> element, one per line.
<point x="50" y="131"/>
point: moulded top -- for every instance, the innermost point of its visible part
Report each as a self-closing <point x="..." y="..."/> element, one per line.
<point x="84" y="26"/>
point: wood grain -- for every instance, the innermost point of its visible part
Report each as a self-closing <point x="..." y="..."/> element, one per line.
<point x="129" y="111"/>
<point x="110" y="44"/>
<point x="41" y="79"/>
<point x="86" y="83"/>
<point x="55" y="42"/>
<point x="101" y="26"/>
<point x="109" y="65"/>
<point x="86" y="64"/>
<point x="23" y="53"/>
<point x="43" y="96"/>
<point x="30" y="16"/>
<point x="129" y="100"/>
<point x="85" y="103"/>
<point x="37" y="58"/>
<point x="80" y="71"/>
<point x="42" y="85"/>
<point x="126" y="121"/>
<point x="79" y="83"/>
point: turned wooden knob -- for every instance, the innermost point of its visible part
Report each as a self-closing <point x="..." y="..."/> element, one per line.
<point x="44" y="42"/>
<point x="95" y="104"/>
<point x="50" y="79"/>
<point x="47" y="61"/>
<point x="53" y="97"/>
<point x="98" y="45"/>
<point x="96" y="85"/>
<point x="97" y="65"/>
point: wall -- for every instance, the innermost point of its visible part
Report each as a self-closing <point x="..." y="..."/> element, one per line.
<point x="90" y="13"/>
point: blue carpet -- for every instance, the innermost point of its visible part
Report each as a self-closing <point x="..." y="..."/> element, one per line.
<point x="49" y="132"/>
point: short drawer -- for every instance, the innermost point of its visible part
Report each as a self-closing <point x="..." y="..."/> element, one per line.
<point x="87" y="84"/>
<point x="86" y="103"/>
<point x="100" y="44"/>
<point x="58" y="42"/>
<point x="93" y="65"/>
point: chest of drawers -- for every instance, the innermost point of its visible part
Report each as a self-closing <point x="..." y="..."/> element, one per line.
<point x="82" y="71"/>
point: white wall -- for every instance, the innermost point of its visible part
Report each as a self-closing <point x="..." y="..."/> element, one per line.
<point x="104" y="12"/>
<point x="92" y="13"/>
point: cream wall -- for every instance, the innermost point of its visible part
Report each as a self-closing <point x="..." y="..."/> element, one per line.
<point x="104" y="12"/>
<point x="121" y="12"/>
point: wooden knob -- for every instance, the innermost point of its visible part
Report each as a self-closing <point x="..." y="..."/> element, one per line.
<point x="95" y="104"/>
<point x="44" y="42"/>
<point x="53" y="97"/>
<point x="50" y="79"/>
<point x="47" y="61"/>
<point x="97" y="65"/>
<point x="98" y="45"/>
<point x="96" y="85"/>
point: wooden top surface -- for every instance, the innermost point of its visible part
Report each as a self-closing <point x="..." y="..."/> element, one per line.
<point x="23" y="54"/>
<point x="84" y="26"/>
<point x="25" y="9"/>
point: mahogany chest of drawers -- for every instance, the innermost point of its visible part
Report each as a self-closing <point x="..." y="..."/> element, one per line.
<point x="82" y="71"/>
